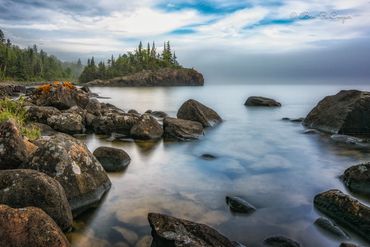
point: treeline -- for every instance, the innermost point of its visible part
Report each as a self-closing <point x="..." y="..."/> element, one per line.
<point x="141" y="59"/>
<point x="32" y="64"/>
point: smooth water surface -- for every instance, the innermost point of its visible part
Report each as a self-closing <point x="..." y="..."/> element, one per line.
<point x="269" y="162"/>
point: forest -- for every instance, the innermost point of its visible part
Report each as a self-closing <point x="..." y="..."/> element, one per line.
<point x="32" y="64"/>
<point x="131" y="62"/>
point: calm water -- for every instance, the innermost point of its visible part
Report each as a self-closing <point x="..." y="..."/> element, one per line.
<point x="268" y="162"/>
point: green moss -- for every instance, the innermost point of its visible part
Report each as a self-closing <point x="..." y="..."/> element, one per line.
<point x="14" y="109"/>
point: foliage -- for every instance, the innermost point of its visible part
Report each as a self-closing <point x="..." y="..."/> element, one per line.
<point x="141" y="59"/>
<point x="33" y="65"/>
<point x="14" y="109"/>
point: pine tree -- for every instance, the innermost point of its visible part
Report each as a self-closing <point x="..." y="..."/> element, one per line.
<point x="2" y="37"/>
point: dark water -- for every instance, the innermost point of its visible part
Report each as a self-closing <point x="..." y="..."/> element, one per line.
<point x="268" y="162"/>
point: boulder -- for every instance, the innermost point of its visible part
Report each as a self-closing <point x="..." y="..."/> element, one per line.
<point x="9" y="90"/>
<point x="181" y="130"/>
<point x="70" y="123"/>
<point x="345" y="210"/>
<point x="357" y="178"/>
<point x="112" y="159"/>
<point x="330" y="227"/>
<point x="196" y="111"/>
<point x="41" y="113"/>
<point x="347" y="112"/>
<point x="280" y="241"/>
<point x="113" y="122"/>
<point x="158" y="114"/>
<point x="146" y="128"/>
<point x="173" y="232"/>
<point x="23" y="188"/>
<point x="68" y="160"/>
<point x="29" y="227"/>
<point x="13" y="148"/>
<point x="93" y="107"/>
<point x="261" y="101"/>
<point x="239" y="205"/>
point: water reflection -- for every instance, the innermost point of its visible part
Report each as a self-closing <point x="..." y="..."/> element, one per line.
<point x="261" y="158"/>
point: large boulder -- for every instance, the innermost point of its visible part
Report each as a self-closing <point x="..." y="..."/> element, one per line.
<point x="23" y="188"/>
<point x="196" y="111"/>
<point x="29" y="227"/>
<point x="60" y="95"/>
<point x="13" y="148"/>
<point x="112" y="122"/>
<point x="112" y="159"/>
<point x="261" y="101"/>
<point x="146" y="128"/>
<point x="345" y="210"/>
<point x="70" y="123"/>
<point x="357" y="178"/>
<point x="181" y="130"/>
<point x="347" y="112"/>
<point x="68" y="160"/>
<point x="41" y="113"/>
<point x="173" y="232"/>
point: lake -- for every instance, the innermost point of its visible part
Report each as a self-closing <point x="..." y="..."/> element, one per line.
<point x="269" y="162"/>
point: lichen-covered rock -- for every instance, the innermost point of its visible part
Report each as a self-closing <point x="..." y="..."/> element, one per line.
<point x="196" y="111"/>
<point x="29" y="227"/>
<point x="13" y="149"/>
<point x="23" y="188"/>
<point x="261" y="101"/>
<point x="173" y="232"/>
<point x="70" y="123"/>
<point x="68" y="160"/>
<point x="357" y="178"/>
<point x="181" y="130"/>
<point x="146" y="128"/>
<point x="345" y="210"/>
<point x="112" y="159"/>
<point x="347" y="112"/>
<point x="113" y="122"/>
<point x="41" y="113"/>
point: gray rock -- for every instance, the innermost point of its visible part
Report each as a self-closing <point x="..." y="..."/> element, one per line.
<point x="280" y="241"/>
<point x="146" y="128"/>
<point x="208" y="157"/>
<point x="41" y="113"/>
<point x="181" y="130"/>
<point x="70" y="123"/>
<point x="239" y="205"/>
<point x="357" y="178"/>
<point x="331" y="227"/>
<point x="261" y="101"/>
<point x="196" y="111"/>
<point x="112" y="159"/>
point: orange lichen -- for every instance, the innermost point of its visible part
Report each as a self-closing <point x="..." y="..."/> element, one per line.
<point x="68" y="85"/>
<point x="46" y="88"/>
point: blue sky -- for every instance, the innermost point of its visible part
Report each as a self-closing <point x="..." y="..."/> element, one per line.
<point x="240" y="29"/>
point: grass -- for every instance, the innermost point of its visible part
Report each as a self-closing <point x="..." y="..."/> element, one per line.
<point x="15" y="110"/>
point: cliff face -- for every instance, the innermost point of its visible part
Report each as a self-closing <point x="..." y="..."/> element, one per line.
<point x="163" y="77"/>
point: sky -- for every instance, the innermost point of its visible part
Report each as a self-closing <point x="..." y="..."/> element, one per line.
<point x="227" y="40"/>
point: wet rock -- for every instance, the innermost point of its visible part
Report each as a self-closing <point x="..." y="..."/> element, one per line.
<point x="239" y="205"/>
<point x="112" y="159"/>
<point x="147" y="128"/>
<point x="347" y="245"/>
<point x="347" y="112"/>
<point x="130" y="236"/>
<point x="145" y="241"/>
<point x="280" y="241"/>
<point x="170" y="231"/>
<point x="293" y="120"/>
<point x="346" y="139"/>
<point x="68" y="160"/>
<point x="261" y="101"/>
<point x="357" y="178"/>
<point x="181" y="130"/>
<point x="29" y="227"/>
<point x="133" y="111"/>
<point x="41" y="113"/>
<point x="159" y="114"/>
<point x="310" y="132"/>
<point x="13" y="149"/>
<point x="22" y="188"/>
<point x="345" y="210"/>
<point x="208" y="157"/>
<point x="331" y="227"/>
<point x="87" y="239"/>
<point x="69" y="123"/>
<point x="196" y="111"/>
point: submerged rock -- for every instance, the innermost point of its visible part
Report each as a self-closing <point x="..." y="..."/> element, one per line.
<point x="347" y="112"/>
<point x="22" y="188"/>
<point x="239" y="205"/>
<point x="29" y="227"/>
<point x="70" y="123"/>
<point x="208" y="157"/>
<point x="331" y="227"/>
<point x="112" y="159"/>
<point x="280" y="241"/>
<point x="68" y="160"/>
<point x="181" y="130"/>
<point x="357" y="178"/>
<point x="196" y="111"/>
<point x="146" y="128"/>
<point x="173" y="232"/>
<point x="261" y="101"/>
<point x="347" y="245"/>
<point x="345" y="210"/>
<point x="347" y="139"/>
<point x="13" y="148"/>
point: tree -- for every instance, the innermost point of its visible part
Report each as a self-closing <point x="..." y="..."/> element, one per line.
<point x="2" y="37"/>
